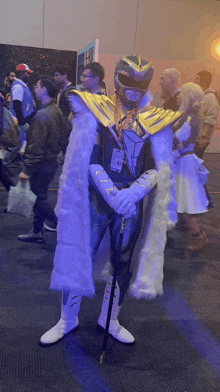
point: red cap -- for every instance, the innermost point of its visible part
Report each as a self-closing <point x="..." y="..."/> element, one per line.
<point x="23" y="67"/>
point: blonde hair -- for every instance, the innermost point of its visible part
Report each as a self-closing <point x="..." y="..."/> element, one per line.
<point x="191" y="95"/>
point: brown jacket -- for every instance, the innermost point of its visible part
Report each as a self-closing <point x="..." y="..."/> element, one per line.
<point x="44" y="137"/>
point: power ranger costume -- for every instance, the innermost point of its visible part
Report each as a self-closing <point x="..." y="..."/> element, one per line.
<point x="119" y="151"/>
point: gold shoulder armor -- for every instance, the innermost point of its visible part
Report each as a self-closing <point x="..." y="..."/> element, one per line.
<point x="100" y="105"/>
<point x="155" y="119"/>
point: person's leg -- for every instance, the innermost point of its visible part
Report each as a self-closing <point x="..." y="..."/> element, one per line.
<point x="39" y="182"/>
<point x="4" y="178"/>
<point x="68" y="322"/>
<point x="131" y="233"/>
<point x="199" y="237"/>
<point x="70" y="302"/>
<point x="191" y="220"/>
<point x="211" y="202"/>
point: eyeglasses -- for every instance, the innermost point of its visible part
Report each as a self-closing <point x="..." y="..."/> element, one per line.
<point x="83" y="76"/>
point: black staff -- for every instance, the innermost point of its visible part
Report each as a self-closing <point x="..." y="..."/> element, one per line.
<point x="117" y="265"/>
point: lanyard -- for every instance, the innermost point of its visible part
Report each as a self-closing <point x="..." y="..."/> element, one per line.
<point x="128" y="122"/>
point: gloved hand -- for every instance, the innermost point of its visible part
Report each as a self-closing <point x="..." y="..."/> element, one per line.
<point x="124" y="204"/>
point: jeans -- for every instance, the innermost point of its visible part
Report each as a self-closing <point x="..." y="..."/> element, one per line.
<point x="4" y="177"/>
<point x="39" y="181"/>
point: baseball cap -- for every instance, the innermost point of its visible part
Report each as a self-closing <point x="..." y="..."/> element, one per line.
<point x="23" y="67"/>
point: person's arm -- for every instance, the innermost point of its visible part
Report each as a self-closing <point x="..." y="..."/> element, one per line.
<point x="17" y="96"/>
<point x="211" y="108"/>
<point x="36" y="144"/>
<point x="17" y="106"/>
<point x="206" y="136"/>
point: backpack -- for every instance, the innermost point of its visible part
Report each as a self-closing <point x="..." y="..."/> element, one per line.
<point x="9" y="129"/>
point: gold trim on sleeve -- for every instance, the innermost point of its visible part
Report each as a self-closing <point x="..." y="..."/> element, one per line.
<point x="108" y="179"/>
<point x="142" y="185"/>
<point x="109" y="190"/>
<point x="99" y="172"/>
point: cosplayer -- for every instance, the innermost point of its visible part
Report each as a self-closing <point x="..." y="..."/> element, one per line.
<point x="119" y="151"/>
<point x="191" y="175"/>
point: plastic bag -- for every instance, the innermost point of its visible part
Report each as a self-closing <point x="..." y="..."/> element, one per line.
<point x="21" y="199"/>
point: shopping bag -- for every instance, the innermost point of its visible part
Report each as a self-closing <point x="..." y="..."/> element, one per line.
<point x="21" y="199"/>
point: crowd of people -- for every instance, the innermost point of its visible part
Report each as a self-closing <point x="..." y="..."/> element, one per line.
<point x="115" y="151"/>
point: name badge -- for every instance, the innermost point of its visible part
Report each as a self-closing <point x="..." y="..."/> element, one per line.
<point x="117" y="160"/>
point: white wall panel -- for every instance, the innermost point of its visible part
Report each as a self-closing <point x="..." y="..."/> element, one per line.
<point x="72" y="25"/>
<point x="21" y="22"/>
<point x="170" y="29"/>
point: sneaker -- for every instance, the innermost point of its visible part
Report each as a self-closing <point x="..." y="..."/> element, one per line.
<point x="199" y="242"/>
<point x="50" y="226"/>
<point x="32" y="237"/>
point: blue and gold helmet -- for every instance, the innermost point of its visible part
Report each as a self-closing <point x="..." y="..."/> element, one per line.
<point x="133" y="76"/>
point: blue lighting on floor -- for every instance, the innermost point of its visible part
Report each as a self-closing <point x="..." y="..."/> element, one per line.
<point x="87" y="370"/>
<point x="180" y="312"/>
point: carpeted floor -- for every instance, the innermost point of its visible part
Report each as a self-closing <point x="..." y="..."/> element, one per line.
<point x="177" y="335"/>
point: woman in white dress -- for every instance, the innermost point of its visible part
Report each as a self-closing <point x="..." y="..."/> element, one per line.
<point x="190" y="173"/>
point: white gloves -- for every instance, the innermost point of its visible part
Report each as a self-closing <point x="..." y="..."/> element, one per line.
<point x="124" y="201"/>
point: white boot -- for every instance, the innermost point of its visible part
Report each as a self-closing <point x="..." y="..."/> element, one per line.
<point x="115" y="329"/>
<point x="68" y="321"/>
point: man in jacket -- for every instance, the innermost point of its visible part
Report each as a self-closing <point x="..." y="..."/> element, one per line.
<point x="43" y="145"/>
<point x="22" y="106"/>
<point x="208" y="113"/>
<point x="169" y="83"/>
<point x="207" y="118"/>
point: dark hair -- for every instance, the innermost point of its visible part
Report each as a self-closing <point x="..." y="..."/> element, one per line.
<point x="8" y="73"/>
<point x="97" y="70"/>
<point x="19" y="73"/>
<point x="205" y="77"/>
<point x="63" y="71"/>
<point x="50" y="84"/>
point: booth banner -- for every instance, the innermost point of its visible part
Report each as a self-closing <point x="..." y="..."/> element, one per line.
<point x="87" y="55"/>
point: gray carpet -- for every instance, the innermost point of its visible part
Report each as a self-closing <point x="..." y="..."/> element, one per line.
<point x="177" y="336"/>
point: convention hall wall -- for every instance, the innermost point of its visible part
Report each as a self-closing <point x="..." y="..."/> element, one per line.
<point x="170" y="29"/>
<point x="171" y="32"/>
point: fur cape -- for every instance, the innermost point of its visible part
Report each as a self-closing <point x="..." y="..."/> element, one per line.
<point x="72" y="262"/>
